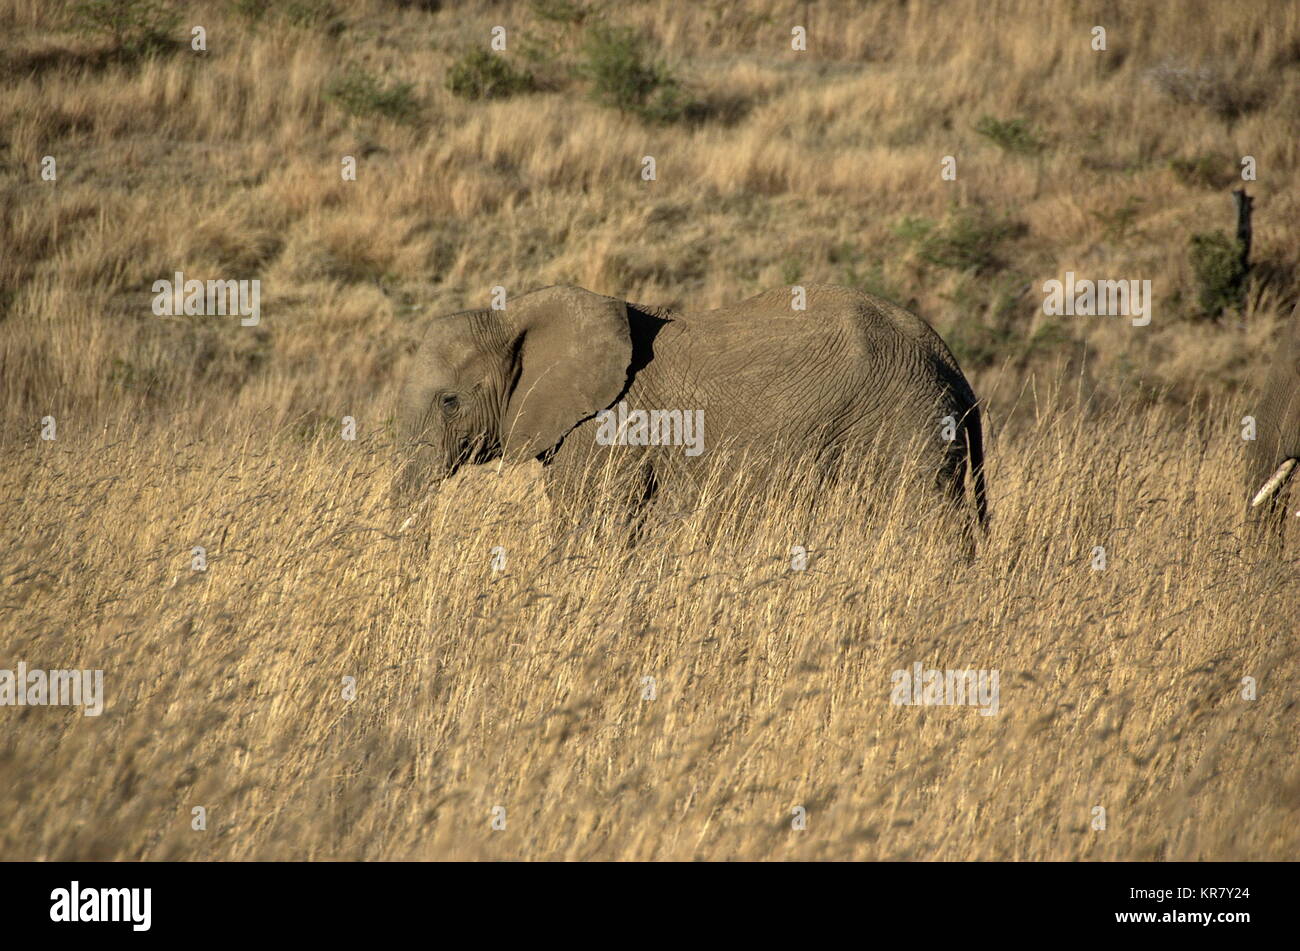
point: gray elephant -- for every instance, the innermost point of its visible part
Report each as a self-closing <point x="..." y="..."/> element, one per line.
<point x="1274" y="455"/>
<point x="819" y="373"/>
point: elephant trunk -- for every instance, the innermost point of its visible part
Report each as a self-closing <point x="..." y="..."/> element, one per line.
<point x="420" y="474"/>
<point x="431" y="464"/>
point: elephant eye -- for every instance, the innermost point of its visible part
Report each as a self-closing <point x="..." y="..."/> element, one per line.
<point x="449" y="403"/>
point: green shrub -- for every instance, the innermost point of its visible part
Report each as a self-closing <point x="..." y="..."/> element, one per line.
<point x="306" y="14"/>
<point x="865" y="275"/>
<point x="1011" y="135"/>
<point x="977" y="345"/>
<point x="484" y="75"/>
<point x="615" y="60"/>
<point x="561" y="11"/>
<point x="135" y="26"/>
<point x="360" y="94"/>
<point x="966" y="241"/>
<point x="313" y="13"/>
<point x="552" y="44"/>
<point x="251" y="10"/>
<point x="1218" y="272"/>
<point x="989" y="317"/>
<point x="1118" y="222"/>
<point x="1228" y="95"/>
<point x="1207" y="170"/>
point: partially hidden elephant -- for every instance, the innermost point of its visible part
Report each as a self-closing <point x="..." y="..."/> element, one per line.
<point x="568" y="376"/>
<point x="1274" y="456"/>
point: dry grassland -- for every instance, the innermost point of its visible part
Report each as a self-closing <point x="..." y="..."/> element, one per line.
<point x="524" y="687"/>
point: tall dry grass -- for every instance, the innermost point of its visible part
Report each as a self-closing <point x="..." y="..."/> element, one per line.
<point x="524" y="688"/>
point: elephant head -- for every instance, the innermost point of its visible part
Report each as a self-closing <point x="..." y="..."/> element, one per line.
<point x="509" y="383"/>
<point x="1274" y="456"/>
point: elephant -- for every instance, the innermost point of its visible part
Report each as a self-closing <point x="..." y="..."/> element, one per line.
<point x="551" y="377"/>
<point x="1274" y="455"/>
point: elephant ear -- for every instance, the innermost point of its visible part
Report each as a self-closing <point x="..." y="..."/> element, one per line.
<point x="573" y="350"/>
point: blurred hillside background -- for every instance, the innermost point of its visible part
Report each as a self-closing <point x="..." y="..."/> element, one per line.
<point x="523" y="168"/>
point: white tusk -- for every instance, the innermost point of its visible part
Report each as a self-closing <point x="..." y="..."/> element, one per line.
<point x="407" y="524"/>
<point x="1276" y="482"/>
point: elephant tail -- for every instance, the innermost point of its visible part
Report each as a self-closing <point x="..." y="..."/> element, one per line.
<point x="975" y="453"/>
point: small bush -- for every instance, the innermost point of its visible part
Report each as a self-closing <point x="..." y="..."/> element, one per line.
<point x="1207" y="170"/>
<point x="135" y="26"/>
<point x="1118" y="222"/>
<point x="967" y="241"/>
<point x="989" y="321"/>
<point x="616" y="62"/>
<point x="361" y="94"/>
<point x="552" y="44"/>
<point x="484" y="75"/>
<point x="865" y="275"/>
<point x="305" y="14"/>
<point x="561" y="11"/>
<point x="1011" y="135"/>
<point x="1206" y="86"/>
<point x="976" y="344"/>
<point x="313" y="13"/>
<point x="1218" y="272"/>
<point x="251" y="10"/>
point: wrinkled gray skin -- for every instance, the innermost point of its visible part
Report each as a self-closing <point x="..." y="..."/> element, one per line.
<point x="850" y="374"/>
<point x="1276" y="409"/>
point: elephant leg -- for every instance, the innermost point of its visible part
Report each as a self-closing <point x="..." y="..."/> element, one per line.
<point x="609" y="490"/>
<point x="958" y="512"/>
<point x="634" y="502"/>
<point x="966" y="519"/>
